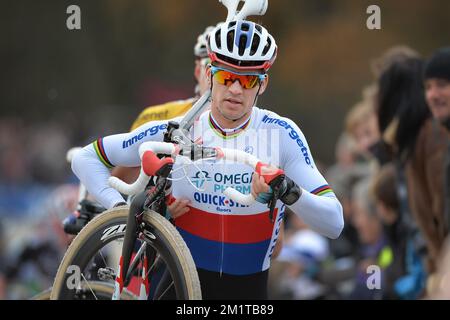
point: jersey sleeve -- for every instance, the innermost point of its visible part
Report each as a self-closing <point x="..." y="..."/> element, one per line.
<point x="318" y="205"/>
<point x="92" y="164"/>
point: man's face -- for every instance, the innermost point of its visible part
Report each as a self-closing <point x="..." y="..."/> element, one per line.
<point x="231" y="100"/>
<point x="437" y="92"/>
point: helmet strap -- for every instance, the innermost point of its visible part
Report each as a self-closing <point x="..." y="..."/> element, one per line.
<point x="257" y="94"/>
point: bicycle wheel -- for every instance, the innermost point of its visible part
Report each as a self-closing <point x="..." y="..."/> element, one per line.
<point x="92" y="290"/>
<point x="97" y="247"/>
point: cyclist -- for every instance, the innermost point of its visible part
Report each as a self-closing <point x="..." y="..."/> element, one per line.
<point x="231" y="243"/>
<point x="162" y="112"/>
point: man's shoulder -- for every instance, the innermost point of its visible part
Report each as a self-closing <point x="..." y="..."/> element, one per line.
<point x="289" y="133"/>
<point x="164" y="111"/>
<point x="269" y="118"/>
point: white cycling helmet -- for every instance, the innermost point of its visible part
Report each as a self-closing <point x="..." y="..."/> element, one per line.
<point x="200" y="50"/>
<point x="242" y="44"/>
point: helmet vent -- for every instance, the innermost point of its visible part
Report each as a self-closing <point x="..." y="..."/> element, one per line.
<point x="255" y="45"/>
<point x="242" y="44"/>
<point x="267" y="47"/>
<point x="230" y="40"/>
<point x="218" y="40"/>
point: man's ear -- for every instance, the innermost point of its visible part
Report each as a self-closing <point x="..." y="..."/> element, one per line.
<point x="264" y="85"/>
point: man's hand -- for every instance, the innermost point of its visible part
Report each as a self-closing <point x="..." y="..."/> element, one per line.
<point x="289" y="191"/>
<point x="178" y="207"/>
<point x="260" y="190"/>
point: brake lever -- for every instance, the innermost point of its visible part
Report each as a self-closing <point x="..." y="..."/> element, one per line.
<point x="275" y="184"/>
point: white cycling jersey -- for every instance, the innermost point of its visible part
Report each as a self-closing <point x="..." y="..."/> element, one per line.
<point x="223" y="235"/>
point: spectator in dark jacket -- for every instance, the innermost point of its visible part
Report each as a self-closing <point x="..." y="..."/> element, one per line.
<point x="405" y="276"/>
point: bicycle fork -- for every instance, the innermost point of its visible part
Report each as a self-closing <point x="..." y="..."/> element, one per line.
<point x="136" y="209"/>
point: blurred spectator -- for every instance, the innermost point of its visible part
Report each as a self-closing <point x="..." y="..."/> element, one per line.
<point x="437" y="92"/>
<point x="37" y="244"/>
<point x="420" y="146"/>
<point x="302" y="255"/>
<point x="361" y="125"/>
<point x="439" y="288"/>
<point x="392" y="56"/>
<point x="2" y="263"/>
<point x="379" y="149"/>
<point x="362" y="122"/>
<point x="373" y="249"/>
<point x="437" y="85"/>
<point x="29" y="163"/>
<point x="405" y="276"/>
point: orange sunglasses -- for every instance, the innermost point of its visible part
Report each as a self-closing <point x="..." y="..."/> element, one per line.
<point x="226" y="77"/>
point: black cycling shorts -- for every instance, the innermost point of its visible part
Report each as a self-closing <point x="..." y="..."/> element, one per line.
<point x="216" y="286"/>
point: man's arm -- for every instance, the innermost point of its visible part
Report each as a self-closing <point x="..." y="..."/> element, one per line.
<point x="129" y="175"/>
<point x="92" y="164"/>
<point x="314" y="201"/>
<point x="317" y="206"/>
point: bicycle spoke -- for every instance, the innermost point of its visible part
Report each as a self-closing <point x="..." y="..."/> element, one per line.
<point x="92" y="291"/>
<point x="165" y="291"/>
<point x="150" y="269"/>
<point x="103" y="258"/>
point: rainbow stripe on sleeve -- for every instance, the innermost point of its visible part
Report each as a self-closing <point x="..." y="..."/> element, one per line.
<point x="320" y="191"/>
<point x="98" y="146"/>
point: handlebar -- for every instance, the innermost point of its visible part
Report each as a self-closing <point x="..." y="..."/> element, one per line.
<point x="152" y="166"/>
<point x="155" y="147"/>
<point x="250" y="7"/>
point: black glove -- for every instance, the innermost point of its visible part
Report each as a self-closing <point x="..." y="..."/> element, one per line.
<point x="289" y="192"/>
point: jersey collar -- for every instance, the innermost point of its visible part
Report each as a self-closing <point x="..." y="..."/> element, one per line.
<point x="228" y="133"/>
